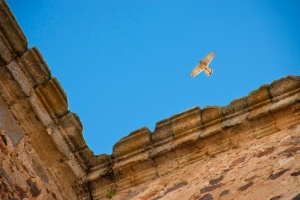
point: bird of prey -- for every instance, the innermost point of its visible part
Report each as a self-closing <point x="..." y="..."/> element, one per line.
<point x="203" y="65"/>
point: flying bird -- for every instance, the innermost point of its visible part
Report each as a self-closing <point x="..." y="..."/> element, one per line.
<point x="203" y="65"/>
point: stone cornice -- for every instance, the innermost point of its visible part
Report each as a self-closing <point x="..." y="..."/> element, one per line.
<point x="38" y="102"/>
<point x="196" y="123"/>
<point x="186" y="137"/>
<point x="38" y="107"/>
<point x="12" y="40"/>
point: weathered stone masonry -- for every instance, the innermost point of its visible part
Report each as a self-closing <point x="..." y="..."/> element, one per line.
<point x="43" y="152"/>
<point x="249" y="149"/>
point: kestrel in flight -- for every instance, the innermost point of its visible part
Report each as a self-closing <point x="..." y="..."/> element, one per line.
<point x="203" y="65"/>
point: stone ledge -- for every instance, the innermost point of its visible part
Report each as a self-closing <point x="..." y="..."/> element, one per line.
<point x="284" y="87"/>
<point x="28" y="93"/>
<point x="134" y="143"/>
<point x="259" y="97"/>
<point x="53" y="98"/>
<point x="236" y="107"/>
<point x="34" y="67"/>
<point x="71" y="129"/>
<point x="211" y="119"/>
<point x="10" y="33"/>
<point x="163" y="132"/>
<point x="186" y="123"/>
<point x="34" y="104"/>
<point x="181" y="137"/>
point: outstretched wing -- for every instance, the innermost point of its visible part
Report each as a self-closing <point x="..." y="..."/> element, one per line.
<point x="207" y="59"/>
<point x="199" y="68"/>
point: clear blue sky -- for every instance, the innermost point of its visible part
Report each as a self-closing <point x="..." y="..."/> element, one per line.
<point x="127" y="64"/>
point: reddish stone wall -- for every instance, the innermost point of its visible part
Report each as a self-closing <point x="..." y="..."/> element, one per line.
<point x="240" y="151"/>
<point x="249" y="149"/>
<point x="42" y="151"/>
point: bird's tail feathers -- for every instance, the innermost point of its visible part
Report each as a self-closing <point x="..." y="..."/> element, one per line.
<point x="208" y="71"/>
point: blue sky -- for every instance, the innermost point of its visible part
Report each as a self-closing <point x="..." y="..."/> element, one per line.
<point x="127" y="64"/>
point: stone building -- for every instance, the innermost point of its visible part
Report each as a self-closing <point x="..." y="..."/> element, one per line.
<point x="249" y="149"/>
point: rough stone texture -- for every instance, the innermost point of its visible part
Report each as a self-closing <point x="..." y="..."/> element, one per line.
<point x="53" y="98"/>
<point x="233" y="152"/>
<point x="42" y="151"/>
<point x="9" y="124"/>
<point x="34" y="67"/>
<point x="237" y="173"/>
<point x="12" y="40"/>
<point x="249" y="149"/>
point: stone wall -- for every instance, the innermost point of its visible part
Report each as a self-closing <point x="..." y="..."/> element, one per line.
<point x="42" y="150"/>
<point x="249" y="149"/>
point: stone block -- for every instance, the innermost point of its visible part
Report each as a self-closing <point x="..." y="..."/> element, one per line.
<point x="10" y="31"/>
<point x="5" y="55"/>
<point x="259" y="102"/>
<point x="9" y="88"/>
<point x="211" y="115"/>
<point x="77" y="166"/>
<point x="101" y="169"/>
<point x="289" y="106"/>
<point x="161" y="149"/>
<point x="21" y="193"/>
<point x="34" y="190"/>
<point x="188" y="154"/>
<point x="288" y="101"/>
<point x="34" y="67"/>
<point x="236" y="107"/>
<point x="20" y="77"/>
<point x="19" y="180"/>
<point x="83" y="157"/>
<point x="77" y="159"/>
<point x="40" y="110"/>
<point x="26" y="117"/>
<point x="134" y="173"/>
<point x="259" y="97"/>
<point x="53" y="98"/>
<point x="9" y="124"/>
<point x="163" y="132"/>
<point x="71" y="128"/>
<point x="39" y="169"/>
<point x="187" y="122"/>
<point x="288" y="86"/>
<point x="100" y="188"/>
<point x="7" y="177"/>
<point x="166" y="163"/>
<point x="102" y="159"/>
<point x="211" y="130"/>
<point x="259" y="111"/>
<point x="187" y="139"/>
<point x="264" y="126"/>
<point x="230" y="122"/>
<point x="13" y="89"/>
<point x="137" y="141"/>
